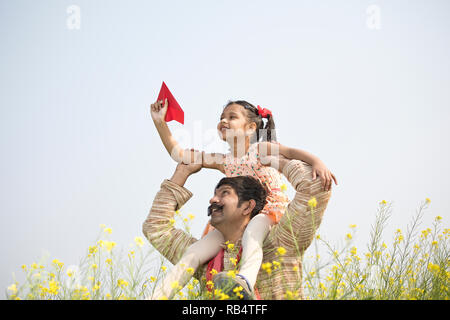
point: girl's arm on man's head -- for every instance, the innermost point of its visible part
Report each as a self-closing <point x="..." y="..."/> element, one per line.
<point x="267" y="148"/>
<point x="319" y="168"/>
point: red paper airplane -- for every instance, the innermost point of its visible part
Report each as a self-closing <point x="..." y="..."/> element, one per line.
<point x="174" y="111"/>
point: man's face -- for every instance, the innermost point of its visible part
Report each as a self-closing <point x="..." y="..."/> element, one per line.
<point x="224" y="206"/>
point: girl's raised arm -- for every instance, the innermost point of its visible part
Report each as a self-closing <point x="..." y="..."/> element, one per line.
<point x="209" y="160"/>
<point x="158" y="112"/>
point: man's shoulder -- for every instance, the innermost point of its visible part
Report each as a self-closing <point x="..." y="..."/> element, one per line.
<point x="181" y="194"/>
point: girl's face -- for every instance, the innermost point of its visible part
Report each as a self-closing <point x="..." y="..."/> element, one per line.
<point x="234" y="123"/>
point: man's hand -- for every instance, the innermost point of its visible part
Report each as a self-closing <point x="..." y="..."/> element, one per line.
<point x="183" y="171"/>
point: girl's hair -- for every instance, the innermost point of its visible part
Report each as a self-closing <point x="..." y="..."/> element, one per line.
<point x="263" y="132"/>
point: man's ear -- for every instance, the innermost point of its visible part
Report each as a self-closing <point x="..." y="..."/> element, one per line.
<point x="248" y="207"/>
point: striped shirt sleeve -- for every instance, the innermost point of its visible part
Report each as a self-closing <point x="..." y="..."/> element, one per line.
<point x="158" y="227"/>
<point x="298" y="225"/>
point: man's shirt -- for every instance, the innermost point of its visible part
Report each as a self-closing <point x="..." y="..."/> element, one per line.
<point x="294" y="233"/>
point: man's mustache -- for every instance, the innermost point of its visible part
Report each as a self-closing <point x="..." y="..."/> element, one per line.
<point x="213" y="207"/>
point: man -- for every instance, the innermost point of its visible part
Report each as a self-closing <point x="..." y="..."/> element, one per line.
<point x="285" y="243"/>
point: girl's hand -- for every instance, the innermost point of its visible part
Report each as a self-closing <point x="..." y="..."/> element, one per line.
<point x="189" y="168"/>
<point x="319" y="169"/>
<point x="158" y="110"/>
<point x="192" y="156"/>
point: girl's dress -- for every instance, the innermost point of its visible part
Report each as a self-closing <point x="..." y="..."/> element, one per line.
<point x="250" y="165"/>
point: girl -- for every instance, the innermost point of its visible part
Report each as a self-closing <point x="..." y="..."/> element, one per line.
<point x="242" y="126"/>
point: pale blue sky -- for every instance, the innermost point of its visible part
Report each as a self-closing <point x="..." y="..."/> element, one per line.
<point x="79" y="149"/>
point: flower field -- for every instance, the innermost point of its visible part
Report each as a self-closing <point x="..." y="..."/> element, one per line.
<point x="414" y="264"/>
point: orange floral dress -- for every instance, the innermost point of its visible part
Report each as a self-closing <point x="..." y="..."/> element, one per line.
<point x="250" y="165"/>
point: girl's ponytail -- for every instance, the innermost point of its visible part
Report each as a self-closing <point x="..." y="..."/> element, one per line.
<point x="269" y="130"/>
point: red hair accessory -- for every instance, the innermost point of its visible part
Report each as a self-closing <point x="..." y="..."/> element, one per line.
<point x="264" y="112"/>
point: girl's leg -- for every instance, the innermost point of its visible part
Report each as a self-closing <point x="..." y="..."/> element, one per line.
<point x="252" y="241"/>
<point x="197" y="254"/>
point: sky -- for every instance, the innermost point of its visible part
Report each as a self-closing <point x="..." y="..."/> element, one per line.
<point x="363" y="85"/>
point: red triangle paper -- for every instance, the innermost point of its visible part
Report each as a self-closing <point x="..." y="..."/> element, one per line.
<point x="174" y="111"/>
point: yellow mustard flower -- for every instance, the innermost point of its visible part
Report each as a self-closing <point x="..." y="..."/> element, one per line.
<point x="109" y="245"/>
<point x="122" y="283"/>
<point x="213" y="272"/>
<point x="281" y="251"/>
<point x="434" y="268"/>
<point x="58" y="263"/>
<point x="92" y="249"/>
<point x="53" y="287"/>
<point x="210" y="284"/>
<point x="238" y="293"/>
<point x="139" y="241"/>
<point x="291" y="294"/>
<point x="312" y="203"/>
<point x="175" y="285"/>
<point x="13" y="288"/>
<point x="238" y="289"/>
<point x="267" y="267"/>
<point x="190" y="270"/>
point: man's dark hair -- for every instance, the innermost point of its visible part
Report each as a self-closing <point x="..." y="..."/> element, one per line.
<point x="247" y="188"/>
